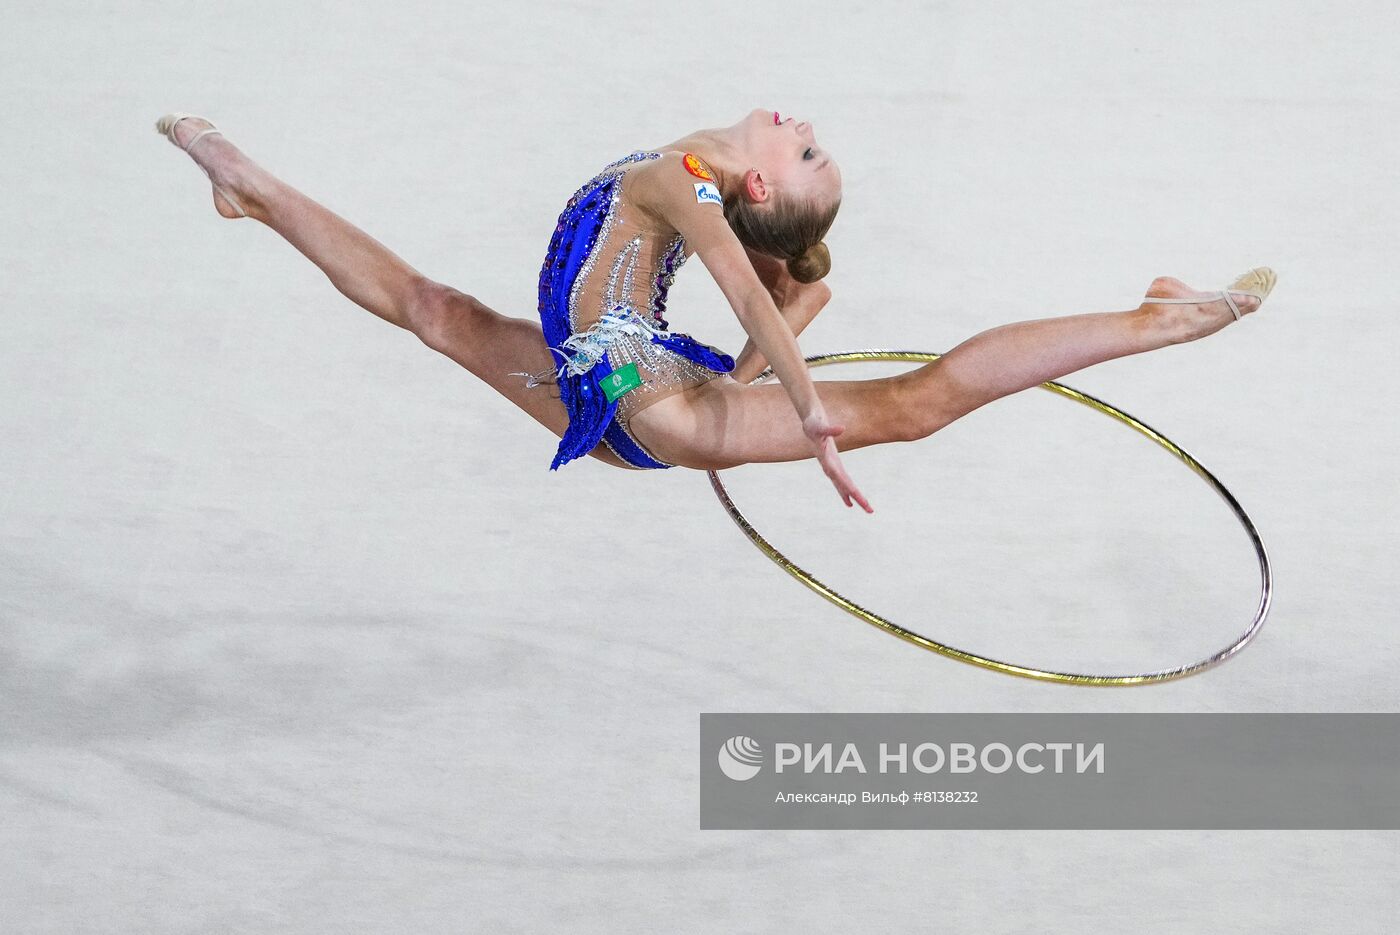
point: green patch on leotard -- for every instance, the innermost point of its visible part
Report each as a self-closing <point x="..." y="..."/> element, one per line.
<point x="620" y="381"/>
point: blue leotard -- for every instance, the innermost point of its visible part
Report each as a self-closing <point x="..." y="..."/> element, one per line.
<point x="594" y="326"/>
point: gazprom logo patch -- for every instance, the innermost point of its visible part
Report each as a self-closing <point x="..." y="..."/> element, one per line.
<point x="740" y="758"/>
<point x="706" y="191"/>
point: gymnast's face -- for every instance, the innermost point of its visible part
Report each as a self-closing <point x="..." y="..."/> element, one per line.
<point x="787" y="156"/>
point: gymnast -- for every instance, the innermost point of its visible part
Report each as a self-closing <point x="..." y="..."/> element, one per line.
<point x="603" y="371"/>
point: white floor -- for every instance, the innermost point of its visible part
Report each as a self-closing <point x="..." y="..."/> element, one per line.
<point x="298" y="633"/>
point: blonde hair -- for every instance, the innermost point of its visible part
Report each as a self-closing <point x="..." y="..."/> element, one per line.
<point x="788" y="228"/>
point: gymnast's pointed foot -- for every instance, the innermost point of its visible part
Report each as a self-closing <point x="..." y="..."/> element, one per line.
<point x="233" y="174"/>
<point x="1190" y="315"/>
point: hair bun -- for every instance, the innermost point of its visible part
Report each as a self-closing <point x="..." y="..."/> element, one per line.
<point x="812" y="265"/>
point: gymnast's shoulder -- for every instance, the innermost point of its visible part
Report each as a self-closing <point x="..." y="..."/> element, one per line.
<point x="677" y="185"/>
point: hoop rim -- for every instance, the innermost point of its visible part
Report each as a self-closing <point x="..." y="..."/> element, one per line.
<point x="998" y="665"/>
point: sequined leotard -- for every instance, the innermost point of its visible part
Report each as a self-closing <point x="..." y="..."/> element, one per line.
<point x="603" y="290"/>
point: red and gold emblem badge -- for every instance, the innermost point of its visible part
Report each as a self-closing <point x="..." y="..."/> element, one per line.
<point x="696" y="167"/>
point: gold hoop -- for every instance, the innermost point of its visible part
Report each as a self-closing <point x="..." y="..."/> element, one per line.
<point x="1072" y="678"/>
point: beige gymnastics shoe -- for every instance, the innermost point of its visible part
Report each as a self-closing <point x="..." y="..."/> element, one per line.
<point x="1258" y="282"/>
<point x="166" y="127"/>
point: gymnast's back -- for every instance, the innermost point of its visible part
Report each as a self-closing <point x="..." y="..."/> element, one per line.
<point x="636" y="255"/>
<point x="604" y="285"/>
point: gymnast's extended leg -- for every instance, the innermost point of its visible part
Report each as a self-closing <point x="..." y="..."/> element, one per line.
<point x="1018" y="356"/>
<point x="485" y="342"/>
<point x="724" y="425"/>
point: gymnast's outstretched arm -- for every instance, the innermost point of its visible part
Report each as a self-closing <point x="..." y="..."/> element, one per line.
<point x="799" y="306"/>
<point x="798" y="303"/>
<point x="702" y="223"/>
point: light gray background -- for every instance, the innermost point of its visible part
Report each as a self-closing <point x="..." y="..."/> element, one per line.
<point x="298" y="634"/>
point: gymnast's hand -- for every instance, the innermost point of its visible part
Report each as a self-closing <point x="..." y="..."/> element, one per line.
<point x="822" y="433"/>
